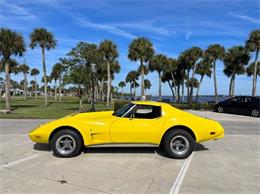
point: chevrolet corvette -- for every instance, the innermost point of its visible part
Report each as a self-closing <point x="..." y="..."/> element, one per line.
<point x="139" y="122"/>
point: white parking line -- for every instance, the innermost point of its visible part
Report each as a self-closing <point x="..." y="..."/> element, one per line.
<point x="20" y="160"/>
<point x="177" y="184"/>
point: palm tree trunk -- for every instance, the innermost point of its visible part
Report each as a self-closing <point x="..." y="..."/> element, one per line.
<point x="233" y="86"/>
<point x="55" y="90"/>
<point x="232" y="78"/>
<point x="255" y="73"/>
<point x="191" y="89"/>
<point x="35" y="87"/>
<point x="197" y="94"/>
<point x="179" y="98"/>
<point x="80" y="99"/>
<point x="173" y="95"/>
<point x="131" y="95"/>
<point x="142" y="80"/>
<point x="134" y="91"/>
<point x="175" y="88"/>
<point x="122" y="93"/>
<point x="215" y="82"/>
<point x="108" y="82"/>
<point x="25" y="86"/>
<point x="44" y="76"/>
<point x="101" y="89"/>
<point x="230" y="87"/>
<point x="59" y="88"/>
<point x="182" y="91"/>
<point x="160" y="86"/>
<point x="7" y="86"/>
<point x="188" y="87"/>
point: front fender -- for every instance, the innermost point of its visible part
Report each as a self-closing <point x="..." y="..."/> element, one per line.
<point x="42" y="133"/>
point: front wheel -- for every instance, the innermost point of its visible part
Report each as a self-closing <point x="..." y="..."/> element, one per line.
<point x="66" y="143"/>
<point x="255" y="113"/>
<point x="178" y="143"/>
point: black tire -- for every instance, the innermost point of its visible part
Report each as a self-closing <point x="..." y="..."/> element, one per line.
<point x="255" y="113"/>
<point x="73" y="140"/>
<point x="176" y="134"/>
<point x="220" y="109"/>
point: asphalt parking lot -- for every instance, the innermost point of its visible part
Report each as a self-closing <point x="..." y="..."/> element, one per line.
<point x="229" y="165"/>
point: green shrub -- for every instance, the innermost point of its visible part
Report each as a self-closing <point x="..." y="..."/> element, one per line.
<point x="196" y="106"/>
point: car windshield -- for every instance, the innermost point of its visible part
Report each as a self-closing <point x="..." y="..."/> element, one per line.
<point x="123" y="110"/>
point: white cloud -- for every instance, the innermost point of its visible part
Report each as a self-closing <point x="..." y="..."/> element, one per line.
<point x="188" y="35"/>
<point x="85" y="22"/>
<point x="16" y="11"/>
<point x="246" y="18"/>
<point x="147" y="26"/>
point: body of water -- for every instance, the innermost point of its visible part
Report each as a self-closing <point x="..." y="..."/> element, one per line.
<point x="202" y="99"/>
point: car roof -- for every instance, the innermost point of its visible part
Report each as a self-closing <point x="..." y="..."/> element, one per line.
<point x="247" y="96"/>
<point x="152" y="103"/>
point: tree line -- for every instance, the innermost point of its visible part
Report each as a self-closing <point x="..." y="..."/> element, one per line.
<point x="75" y="67"/>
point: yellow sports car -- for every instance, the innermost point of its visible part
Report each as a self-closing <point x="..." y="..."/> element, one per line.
<point x="139" y="122"/>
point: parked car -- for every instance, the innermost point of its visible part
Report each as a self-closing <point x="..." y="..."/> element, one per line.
<point x="244" y="105"/>
<point x="139" y="122"/>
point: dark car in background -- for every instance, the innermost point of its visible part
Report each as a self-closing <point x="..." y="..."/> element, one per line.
<point x="244" y="105"/>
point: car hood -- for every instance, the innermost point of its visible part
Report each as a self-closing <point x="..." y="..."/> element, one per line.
<point x="93" y="115"/>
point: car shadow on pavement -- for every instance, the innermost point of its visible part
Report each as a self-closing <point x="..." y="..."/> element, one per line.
<point x="42" y="147"/>
<point x="200" y="147"/>
<point x="120" y="149"/>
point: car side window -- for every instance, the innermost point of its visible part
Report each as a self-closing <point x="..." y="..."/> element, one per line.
<point x="146" y="112"/>
<point x="247" y="100"/>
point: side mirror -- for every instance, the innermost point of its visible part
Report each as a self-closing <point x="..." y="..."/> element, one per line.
<point x="132" y="116"/>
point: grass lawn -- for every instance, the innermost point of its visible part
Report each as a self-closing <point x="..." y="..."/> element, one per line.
<point x="35" y="109"/>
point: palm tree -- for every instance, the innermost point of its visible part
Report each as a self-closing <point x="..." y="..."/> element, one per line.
<point x="235" y="60"/>
<point x="147" y="84"/>
<point x="250" y="70"/>
<point x="253" y="45"/>
<point x="45" y="40"/>
<point x="57" y="71"/>
<point x="48" y="80"/>
<point x="141" y="49"/>
<point x="11" y="44"/>
<point x="121" y="84"/>
<point x="158" y="63"/>
<point x="203" y="69"/>
<point x="215" y="52"/>
<point x="185" y="63"/>
<point x="110" y="53"/>
<point x="192" y="56"/>
<point x="34" y="73"/>
<point x="33" y="85"/>
<point x="192" y="83"/>
<point x="25" y="70"/>
<point x="131" y="78"/>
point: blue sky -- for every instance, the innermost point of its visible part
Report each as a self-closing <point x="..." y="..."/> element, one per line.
<point x="172" y="26"/>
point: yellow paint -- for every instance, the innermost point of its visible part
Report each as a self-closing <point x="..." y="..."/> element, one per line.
<point x="104" y="128"/>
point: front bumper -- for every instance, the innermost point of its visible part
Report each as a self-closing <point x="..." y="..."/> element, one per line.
<point x="39" y="135"/>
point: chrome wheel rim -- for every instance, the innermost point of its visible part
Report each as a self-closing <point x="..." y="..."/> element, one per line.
<point x="65" y="144"/>
<point x="255" y="113"/>
<point x="220" y="109"/>
<point x="179" y="145"/>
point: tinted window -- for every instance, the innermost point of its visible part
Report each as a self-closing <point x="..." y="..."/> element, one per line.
<point x="247" y="99"/>
<point x="145" y="112"/>
<point x="122" y="111"/>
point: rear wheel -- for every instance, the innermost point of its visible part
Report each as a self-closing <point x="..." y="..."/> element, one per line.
<point x="178" y="143"/>
<point x="66" y="143"/>
<point x="220" y="109"/>
<point x="255" y="113"/>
